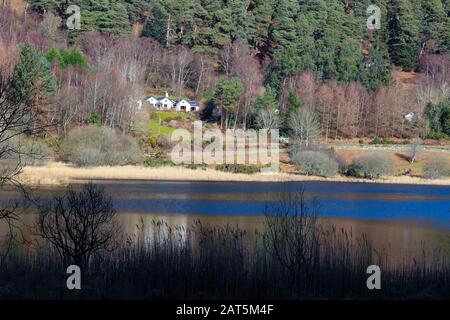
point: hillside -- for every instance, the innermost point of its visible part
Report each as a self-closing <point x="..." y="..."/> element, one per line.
<point x="312" y="69"/>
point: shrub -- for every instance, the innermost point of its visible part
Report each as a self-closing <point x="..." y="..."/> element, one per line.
<point x="194" y="166"/>
<point x="238" y="168"/>
<point x="342" y="164"/>
<point x="371" y="166"/>
<point x="436" y="168"/>
<point x="415" y="148"/>
<point x="99" y="146"/>
<point x="53" y="143"/>
<point x="34" y="152"/>
<point x="437" y="136"/>
<point x="158" y="159"/>
<point x="151" y="141"/>
<point x="376" y="140"/>
<point x="155" y="141"/>
<point x="25" y="151"/>
<point x="382" y="141"/>
<point x="94" y="119"/>
<point x="163" y="141"/>
<point x="316" y="163"/>
<point x="173" y="118"/>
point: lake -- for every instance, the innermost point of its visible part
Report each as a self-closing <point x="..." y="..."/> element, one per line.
<point x="399" y="217"/>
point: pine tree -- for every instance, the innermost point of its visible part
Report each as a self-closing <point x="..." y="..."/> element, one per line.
<point x="260" y="19"/>
<point x="114" y="20"/>
<point x="284" y="33"/>
<point x="293" y="105"/>
<point x="31" y="76"/>
<point x="239" y="20"/>
<point x="404" y="34"/>
<point x="434" y="30"/>
<point x="43" y="6"/>
<point x="268" y="100"/>
<point x="156" y="25"/>
<point x="377" y="70"/>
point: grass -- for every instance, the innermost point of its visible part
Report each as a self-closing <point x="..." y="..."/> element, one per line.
<point x="401" y="160"/>
<point x="56" y="173"/>
<point x="179" y="115"/>
<point x="159" y="129"/>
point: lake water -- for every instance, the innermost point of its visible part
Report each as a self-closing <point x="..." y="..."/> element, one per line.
<point x="400" y="217"/>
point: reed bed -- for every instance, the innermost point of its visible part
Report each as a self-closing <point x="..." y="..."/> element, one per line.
<point x="293" y="258"/>
<point x="62" y="174"/>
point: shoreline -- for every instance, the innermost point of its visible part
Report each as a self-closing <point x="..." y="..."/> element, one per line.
<point x="56" y="173"/>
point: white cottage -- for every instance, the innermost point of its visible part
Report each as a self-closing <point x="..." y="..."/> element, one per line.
<point x="165" y="104"/>
<point x="410" y="116"/>
<point x="187" y="106"/>
<point x="153" y="101"/>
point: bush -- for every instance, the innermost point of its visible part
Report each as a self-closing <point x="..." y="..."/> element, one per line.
<point x="99" y="146"/>
<point x="151" y="141"/>
<point x="194" y="166"/>
<point x="158" y="159"/>
<point x="371" y="166"/>
<point x="436" y="168"/>
<point x="382" y="141"/>
<point x="94" y="119"/>
<point x="34" y="152"/>
<point x="155" y="141"/>
<point x="342" y="164"/>
<point x="437" y="136"/>
<point x="163" y="141"/>
<point x="238" y="168"/>
<point x="26" y="151"/>
<point x="316" y="163"/>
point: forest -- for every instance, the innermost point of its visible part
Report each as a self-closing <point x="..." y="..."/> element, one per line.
<point x="252" y="63"/>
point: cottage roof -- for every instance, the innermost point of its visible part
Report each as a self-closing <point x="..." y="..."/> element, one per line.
<point x="193" y="103"/>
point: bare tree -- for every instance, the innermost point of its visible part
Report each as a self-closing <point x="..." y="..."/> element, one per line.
<point x="78" y="224"/>
<point x="304" y="85"/>
<point x="181" y="67"/>
<point x="267" y="118"/>
<point x="304" y="126"/>
<point x="294" y="234"/>
<point x="17" y="118"/>
<point x="415" y="147"/>
<point x="248" y="69"/>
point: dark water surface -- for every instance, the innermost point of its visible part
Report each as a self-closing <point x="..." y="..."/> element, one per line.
<point x="427" y="205"/>
<point x="401" y="217"/>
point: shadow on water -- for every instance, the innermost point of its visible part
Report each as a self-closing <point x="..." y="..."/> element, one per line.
<point x="171" y="248"/>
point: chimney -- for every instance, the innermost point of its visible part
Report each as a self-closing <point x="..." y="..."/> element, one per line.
<point x="167" y="95"/>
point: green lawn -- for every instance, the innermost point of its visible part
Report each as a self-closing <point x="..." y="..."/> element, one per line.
<point x="156" y="128"/>
<point x="165" y="115"/>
